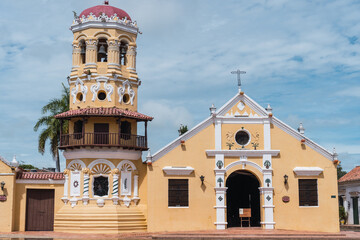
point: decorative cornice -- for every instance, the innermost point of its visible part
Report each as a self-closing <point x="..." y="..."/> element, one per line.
<point x="179" y="171"/>
<point x="102" y="25"/>
<point x="238" y="153"/>
<point x="308" y="171"/>
<point x="34" y="181"/>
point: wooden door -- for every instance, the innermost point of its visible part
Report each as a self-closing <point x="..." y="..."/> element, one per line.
<point x="101" y="133"/>
<point x="39" y="210"/>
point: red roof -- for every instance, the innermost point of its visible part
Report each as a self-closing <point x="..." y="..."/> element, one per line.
<point x="108" y="10"/>
<point x="353" y="175"/>
<point x="102" y="111"/>
<point x="40" y="175"/>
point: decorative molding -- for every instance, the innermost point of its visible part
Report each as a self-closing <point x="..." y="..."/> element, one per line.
<point x="126" y="165"/>
<point x="34" y="181"/>
<point x="178" y="171"/>
<point x="308" y="171"/>
<point x="244" y="163"/>
<point x="7" y="174"/>
<point x="126" y="87"/>
<point x="79" y="87"/>
<point x="101" y="168"/>
<point x="109" y="153"/>
<point x="94" y="89"/>
<point x="76" y="164"/>
<point x="109" y="90"/>
<point x="102" y="161"/>
<point x="238" y="153"/>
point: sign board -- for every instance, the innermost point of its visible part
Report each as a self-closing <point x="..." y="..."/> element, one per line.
<point x="245" y="212"/>
<point x="3" y="198"/>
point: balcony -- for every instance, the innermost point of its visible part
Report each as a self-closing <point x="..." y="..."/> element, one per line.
<point x="126" y="141"/>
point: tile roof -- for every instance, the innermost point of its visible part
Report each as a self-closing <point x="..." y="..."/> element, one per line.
<point x="102" y="111"/>
<point x="353" y="175"/>
<point x="40" y="175"/>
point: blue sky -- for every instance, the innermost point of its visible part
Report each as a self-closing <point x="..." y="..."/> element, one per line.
<point x="302" y="57"/>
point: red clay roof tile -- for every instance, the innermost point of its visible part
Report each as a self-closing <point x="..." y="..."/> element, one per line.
<point x="40" y="175"/>
<point x="102" y="111"/>
<point x="353" y="175"/>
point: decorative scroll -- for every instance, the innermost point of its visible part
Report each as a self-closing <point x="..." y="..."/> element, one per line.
<point x="126" y="88"/>
<point x="79" y="87"/>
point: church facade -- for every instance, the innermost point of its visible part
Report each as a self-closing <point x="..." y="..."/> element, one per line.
<point x="241" y="166"/>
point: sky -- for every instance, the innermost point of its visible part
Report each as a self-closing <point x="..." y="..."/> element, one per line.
<point x="302" y="57"/>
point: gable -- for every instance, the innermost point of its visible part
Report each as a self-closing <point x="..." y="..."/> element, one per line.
<point x="239" y="109"/>
<point x="5" y="166"/>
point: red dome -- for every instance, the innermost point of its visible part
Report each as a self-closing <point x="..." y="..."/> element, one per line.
<point x="108" y="10"/>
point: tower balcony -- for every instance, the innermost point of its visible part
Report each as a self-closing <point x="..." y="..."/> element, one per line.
<point x="96" y="139"/>
<point x="103" y="127"/>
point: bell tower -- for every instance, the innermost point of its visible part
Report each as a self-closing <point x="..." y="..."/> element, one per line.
<point x="104" y="170"/>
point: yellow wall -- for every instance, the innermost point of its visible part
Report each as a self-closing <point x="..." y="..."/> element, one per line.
<point x="291" y="215"/>
<point x="201" y="213"/>
<point x="7" y="207"/>
<point x="20" y="204"/>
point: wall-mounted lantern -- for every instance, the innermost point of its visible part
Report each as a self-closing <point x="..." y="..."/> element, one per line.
<point x="202" y="178"/>
<point x="285" y="179"/>
<point x="2" y="185"/>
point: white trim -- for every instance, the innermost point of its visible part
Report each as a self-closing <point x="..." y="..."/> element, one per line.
<point x="110" y="153"/>
<point x="121" y="164"/>
<point x="286" y="128"/>
<point x="178" y="170"/>
<point x="104" y="161"/>
<point x="7" y="174"/>
<point x="102" y="25"/>
<point x="308" y="171"/>
<point x="189" y="134"/>
<point x="238" y="153"/>
<point x="76" y="161"/>
<point x="34" y="181"/>
<point x="309" y="206"/>
<point x="244" y="163"/>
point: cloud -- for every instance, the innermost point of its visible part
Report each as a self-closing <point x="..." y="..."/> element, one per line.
<point x="350" y="92"/>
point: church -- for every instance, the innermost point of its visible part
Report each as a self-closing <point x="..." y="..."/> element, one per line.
<point x="240" y="167"/>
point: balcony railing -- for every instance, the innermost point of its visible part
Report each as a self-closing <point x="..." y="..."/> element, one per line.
<point x="103" y="140"/>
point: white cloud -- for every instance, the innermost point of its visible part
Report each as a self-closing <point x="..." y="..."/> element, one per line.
<point x="350" y="92"/>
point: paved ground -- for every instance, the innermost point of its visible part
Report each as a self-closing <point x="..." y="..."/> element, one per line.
<point x="232" y="233"/>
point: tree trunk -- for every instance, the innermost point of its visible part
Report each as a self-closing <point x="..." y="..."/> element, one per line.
<point x="57" y="161"/>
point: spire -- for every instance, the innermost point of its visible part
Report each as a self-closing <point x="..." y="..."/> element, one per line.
<point x="14" y="162"/>
<point x="268" y="108"/>
<point x="212" y="110"/>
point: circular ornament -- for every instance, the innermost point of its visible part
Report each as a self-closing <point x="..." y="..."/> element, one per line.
<point x="76" y="184"/>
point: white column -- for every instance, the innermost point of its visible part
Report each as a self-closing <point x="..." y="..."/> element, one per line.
<point x="217" y="134"/>
<point x="85" y="198"/>
<point x="66" y="186"/>
<point x="136" y="189"/>
<point x="268" y="206"/>
<point x="91" y="53"/>
<point x="115" y="193"/>
<point x="113" y="54"/>
<point x="267" y="137"/>
<point x="220" y="191"/>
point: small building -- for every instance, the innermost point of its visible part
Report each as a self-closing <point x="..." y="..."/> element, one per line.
<point x="349" y="193"/>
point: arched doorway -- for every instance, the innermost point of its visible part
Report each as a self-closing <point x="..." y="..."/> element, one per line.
<point x="243" y="192"/>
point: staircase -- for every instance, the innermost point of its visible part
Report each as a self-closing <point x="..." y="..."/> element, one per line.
<point x="109" y="219"/>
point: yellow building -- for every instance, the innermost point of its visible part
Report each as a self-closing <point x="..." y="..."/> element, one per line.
<point x="241" y="166"/>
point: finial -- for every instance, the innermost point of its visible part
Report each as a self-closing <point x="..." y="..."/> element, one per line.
<point x="14" y="162"/>
<point x="268" y="108"/>
<point x="212" y="109"/>
<point x="301" y="129"/>
<point x="335" y="155"/>
<point x="106" y="2"/>
<point x="238" y="72"/>
<point x="149" y="158"/>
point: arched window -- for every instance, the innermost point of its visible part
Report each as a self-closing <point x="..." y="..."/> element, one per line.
<point x="82" y="52"/>
<point x="123" y="51"/>
<point x="102" y="50"/>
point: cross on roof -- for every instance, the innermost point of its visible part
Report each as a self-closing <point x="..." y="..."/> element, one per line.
<point x="238" y="72"/>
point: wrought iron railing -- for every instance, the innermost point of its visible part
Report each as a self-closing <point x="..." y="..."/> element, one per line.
<point x="103" y="140"/>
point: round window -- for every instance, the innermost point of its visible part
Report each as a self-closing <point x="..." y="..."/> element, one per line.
<point x="126" y="98"/>
<point x="79" y="96"/>
<point x="242" y="137"/>
<point x="101" y="95"/>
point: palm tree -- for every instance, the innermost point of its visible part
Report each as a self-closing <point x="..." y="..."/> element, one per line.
<point x="51" y="130"/>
